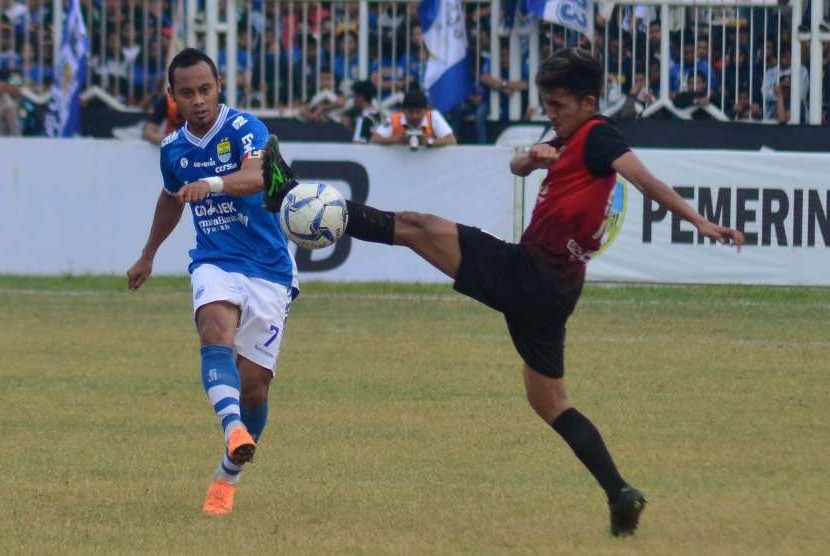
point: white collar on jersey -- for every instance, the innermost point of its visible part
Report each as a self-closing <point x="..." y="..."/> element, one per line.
<point x="201" y="142"/>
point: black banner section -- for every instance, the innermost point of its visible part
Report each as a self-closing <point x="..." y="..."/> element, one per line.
<point x="357" y="178"/>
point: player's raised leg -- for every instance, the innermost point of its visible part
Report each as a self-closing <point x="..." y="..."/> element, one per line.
<point x="277" y="175"/>
<point x="433" y="238"/>
<point x="547" y="397"/>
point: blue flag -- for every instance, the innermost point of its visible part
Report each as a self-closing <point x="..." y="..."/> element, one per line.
<point x="574" y="14"/>
<point x="447" y="76"/>
<point x="64" y="117"/>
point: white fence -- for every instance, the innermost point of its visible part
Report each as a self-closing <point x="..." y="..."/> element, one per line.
<point x="84" y="206"/>
<point x="276" y="55"/>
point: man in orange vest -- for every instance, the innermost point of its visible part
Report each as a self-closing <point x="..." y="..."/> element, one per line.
<point x="415" y="125"/>
<point x="164" y="121"/>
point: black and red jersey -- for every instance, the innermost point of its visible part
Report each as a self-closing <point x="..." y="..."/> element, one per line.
<point x="572" y="205"/>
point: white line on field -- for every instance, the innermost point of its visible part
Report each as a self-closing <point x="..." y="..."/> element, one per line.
<point x="443" y="297"/>
<point x="726" y="340"/>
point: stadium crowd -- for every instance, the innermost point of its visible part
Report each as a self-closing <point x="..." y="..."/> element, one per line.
<point x="300" y="59"/>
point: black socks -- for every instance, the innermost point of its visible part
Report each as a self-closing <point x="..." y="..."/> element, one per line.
<point x="370" y="224"/>
<point x="586" y="442"/>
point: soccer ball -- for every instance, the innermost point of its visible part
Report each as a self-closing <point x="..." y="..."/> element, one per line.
<point x="313" y="215"/>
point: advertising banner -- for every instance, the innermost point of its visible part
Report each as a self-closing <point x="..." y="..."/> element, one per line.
<point x="781" y="201"/>
<point x="85" y="206"/>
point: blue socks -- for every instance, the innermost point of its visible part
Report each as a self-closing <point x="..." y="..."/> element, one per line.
<point x="254" y="419"/>
<point x="220" y="379"/>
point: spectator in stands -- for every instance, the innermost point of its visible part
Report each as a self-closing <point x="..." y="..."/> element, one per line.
<point x="782" y="100"/>
<point x="695" y="93"/>
<point x="414" y="59"/>
<point x="512" y="10"/>
<point x="36" y="73"/>
<point x="619" y="61"/>
<point x="244" y="72"/>
<point x="653" y="78"/>
<point x="390" y="20"/>
<point x="736" y="72"/>
<point x="364" y="117"/>
<point x="388" y="76"/>
<point x="691" y="64"/>
<point x="9" y="56"/>
<point x="773" y="76"/>
<point x="503" y="84"/>
<point x="317" y="60"/>
<point x="9" y="103"/>
<point x="326" y="105"/>
<point x="416" y="125"/>
<point x="654" y="39"/>
<point x="766" y="57"/>
<point x="164" y="120"/>
<point x="639" y="96"/>
<point x="736" y="80"/>
<point x="742" y="109"/>
<point x="477" y="105"/>
<point x="346" y="63"/>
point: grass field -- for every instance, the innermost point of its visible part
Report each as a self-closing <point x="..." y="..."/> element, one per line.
<point x="398" y="425"/>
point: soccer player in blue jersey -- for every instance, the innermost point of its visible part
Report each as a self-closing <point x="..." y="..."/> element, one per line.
<point x="243" y="277"/>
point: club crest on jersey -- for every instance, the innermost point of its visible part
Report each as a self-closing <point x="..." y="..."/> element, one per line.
<point x="223" y="150"/>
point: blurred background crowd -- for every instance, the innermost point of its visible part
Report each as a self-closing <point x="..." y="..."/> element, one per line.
<point x="337" y="61"/>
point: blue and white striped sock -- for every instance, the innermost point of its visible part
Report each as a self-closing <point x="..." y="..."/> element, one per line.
<point x="228" y="471"/>
<point x="220" y="379"/>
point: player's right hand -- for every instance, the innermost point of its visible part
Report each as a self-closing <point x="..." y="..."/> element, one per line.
<point x="138" y="273"/>
<point x="543" y="155"/>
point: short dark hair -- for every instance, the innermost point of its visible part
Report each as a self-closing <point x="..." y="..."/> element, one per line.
<point x="187" y="58"/>
<point x="574" y="69"/>
<point x="365" y="89"/>
<point x="414" y="98"/>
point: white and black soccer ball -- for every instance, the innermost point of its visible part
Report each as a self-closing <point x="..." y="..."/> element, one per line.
<point x="313" y="215"/>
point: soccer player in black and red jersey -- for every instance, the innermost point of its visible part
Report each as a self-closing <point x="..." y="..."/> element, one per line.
<point x="537" y="282"/>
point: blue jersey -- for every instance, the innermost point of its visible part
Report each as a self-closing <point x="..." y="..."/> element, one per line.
<point x="234" y="233"/>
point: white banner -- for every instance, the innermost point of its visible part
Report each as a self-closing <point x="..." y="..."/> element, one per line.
<point x="781" y="201"/>
<point x="85" y="206"/>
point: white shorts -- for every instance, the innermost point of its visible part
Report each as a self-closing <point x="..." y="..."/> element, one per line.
<point x="264" y="306"/>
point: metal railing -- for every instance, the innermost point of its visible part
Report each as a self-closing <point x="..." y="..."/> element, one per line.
<point x="276" y="55"/>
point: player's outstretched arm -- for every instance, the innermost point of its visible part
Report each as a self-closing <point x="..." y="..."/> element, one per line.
<point x="538" y="157"/>
<point x="630" y="167"/>
<point x="167" y="215"/>
<point x="245" y="181"/>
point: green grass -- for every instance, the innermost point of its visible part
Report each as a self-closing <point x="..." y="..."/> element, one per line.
<point x="398" y="424"/>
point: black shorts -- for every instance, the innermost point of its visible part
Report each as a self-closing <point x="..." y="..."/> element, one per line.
<point x="535" y="290"/>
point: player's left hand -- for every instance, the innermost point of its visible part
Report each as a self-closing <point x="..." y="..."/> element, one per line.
<point x="724" y="235"/>
<point x="195" y="191"/>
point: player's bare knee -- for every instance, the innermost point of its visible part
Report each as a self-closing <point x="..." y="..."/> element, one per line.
<point x="254" y="396"/>
<point x="213" y="331"/>
<point x="255" y="388"/>
<point x="548" y="408"/>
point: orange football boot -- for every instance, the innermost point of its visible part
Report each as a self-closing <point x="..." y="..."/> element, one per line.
<point x="219" y="499"/>
<point x="241" y="446"/>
